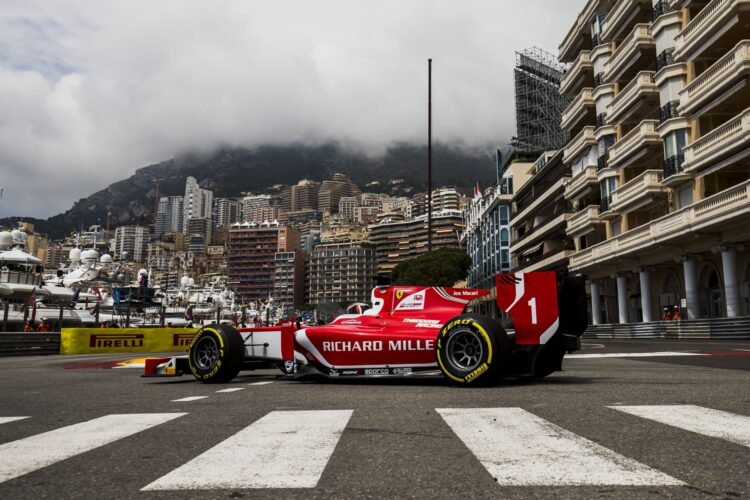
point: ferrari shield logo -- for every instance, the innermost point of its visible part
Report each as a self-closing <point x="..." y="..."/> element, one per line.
<point x="399" y="294"/>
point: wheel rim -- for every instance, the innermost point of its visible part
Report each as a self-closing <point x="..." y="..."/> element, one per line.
<point x="465" y="350"/>
<point x="206" y="353"/>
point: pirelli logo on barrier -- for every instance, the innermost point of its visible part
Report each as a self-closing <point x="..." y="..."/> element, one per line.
<point x="182" y="339"/>
<point x="125" y="340"/>
<point x="121" y="340"/>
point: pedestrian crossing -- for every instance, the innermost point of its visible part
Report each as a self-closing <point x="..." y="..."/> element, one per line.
<point x="293" y="449"/>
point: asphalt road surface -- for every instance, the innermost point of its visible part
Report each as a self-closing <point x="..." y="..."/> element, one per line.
<point x="625" y="419"/>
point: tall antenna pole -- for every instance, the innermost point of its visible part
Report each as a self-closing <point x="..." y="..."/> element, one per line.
<point x="429" y="155"/>
<point x="156" y="207"/>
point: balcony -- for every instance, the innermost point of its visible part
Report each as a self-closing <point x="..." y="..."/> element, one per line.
<point x="665" y="58"/>
<point x="579" y="144"/>
<point x="538" y="233"/>
<point x="584" y="222"/>
<point x="660" y="8"/>
<point x="674" y="175"/>
<point x="545" y="262"/>
<point x="578" y="75"/>
<point x="580" y="110"/>
<point x="717" y="23"/>
<point x="633" y="53"/>
<point x="636" y="101"/>
<point x="581" y="182"/>
<point x="621" y="15"/>
<point x="638" y="192"/>
<point x="723" y="83"/>
<point x="602" y="162"/>
<point x="577" y="37"/>
<point x="546" y="196"/>
<point x="669" y="111"/>
<point x="605" y="208"/>
<point x="601" y="120"/>
<point x="722" y="210"/>
<point x="720" y="147"/>
<point x="635" y="144"/>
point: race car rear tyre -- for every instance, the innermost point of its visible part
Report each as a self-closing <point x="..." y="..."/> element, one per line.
<point x="216" y="354"/>
<point x="472" y="350"/>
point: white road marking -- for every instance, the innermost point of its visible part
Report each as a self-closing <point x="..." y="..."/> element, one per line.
<point x="33" y="453"/>
<point x="189" y="398"/>
<point x="284" y="449"/>
<point x="232" y="389"/>
<point x="520" y="449"/>
<point x="706" y="421"/>
<point x="633" y="355"/>
<point x="5" y="420"/>
<point x="263" y="383"/>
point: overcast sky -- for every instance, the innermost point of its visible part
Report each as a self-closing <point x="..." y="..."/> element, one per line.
<point x="92" y="90"/>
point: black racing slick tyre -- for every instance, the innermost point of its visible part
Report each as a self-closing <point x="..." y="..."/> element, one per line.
<point x="472" y="350"/>
<point x="216" y="354"/>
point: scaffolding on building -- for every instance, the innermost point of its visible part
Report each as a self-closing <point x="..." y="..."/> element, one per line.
<point x="539" y="105"/>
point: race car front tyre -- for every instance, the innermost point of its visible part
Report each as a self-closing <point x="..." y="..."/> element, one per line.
<point x="216" y="354"/>
<point x="472" y="350"/>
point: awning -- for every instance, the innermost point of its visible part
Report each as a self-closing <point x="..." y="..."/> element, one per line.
<point x="18" y="257"/>
<point x="533" y="249"/>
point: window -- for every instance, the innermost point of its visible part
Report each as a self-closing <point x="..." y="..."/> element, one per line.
<point x="505" y="258"/>
<point x="674" y="143"/>
<point x="504" y="238"/>
<point x="504" y="216"/>
<point x="685" y="197"/>
<point x="605" y="143"/>
<point x="616" y="228"/>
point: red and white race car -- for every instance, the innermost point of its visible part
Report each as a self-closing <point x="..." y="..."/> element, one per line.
<point x="408" y="330"/>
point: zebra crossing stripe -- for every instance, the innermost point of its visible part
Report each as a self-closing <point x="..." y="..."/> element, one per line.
<point x="705" y="421"/>
<point x="520" y="449"/>
<point x="33" y="453"/>
<point x="5" y="420"/>
<point x="283" y="449"/>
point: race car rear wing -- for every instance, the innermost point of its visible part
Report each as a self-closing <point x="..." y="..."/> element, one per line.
<point x="541" y="307"/>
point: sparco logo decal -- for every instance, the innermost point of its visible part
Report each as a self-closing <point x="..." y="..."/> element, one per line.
<point x="376" y="371"/>
<point x="117" y="340"/>
<point x="182" y="339"/>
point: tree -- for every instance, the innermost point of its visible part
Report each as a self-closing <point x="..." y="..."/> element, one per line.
<point x="441" y="267"/>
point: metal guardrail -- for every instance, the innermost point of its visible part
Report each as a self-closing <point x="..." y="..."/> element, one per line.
<point x="27" y="344"/>
<point x="717" y="328"/>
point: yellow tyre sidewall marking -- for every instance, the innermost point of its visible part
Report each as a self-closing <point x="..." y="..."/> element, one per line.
<point x="483" y="367"/>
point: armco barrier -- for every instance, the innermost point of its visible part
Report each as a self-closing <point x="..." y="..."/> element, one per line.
<point x="124" y="340"/>
<point x="25" y="344"/>
<point x="716" y="328"/>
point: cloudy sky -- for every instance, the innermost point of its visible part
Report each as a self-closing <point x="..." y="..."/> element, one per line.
<point x="92" y="90"/>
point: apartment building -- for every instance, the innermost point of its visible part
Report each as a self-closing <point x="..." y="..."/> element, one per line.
<point x="251" y="253"/>
<point x="660" y="156"/>
<point x="226" y="212"/>
<point x="131" y="243"/>
<point x="399" y="240"/>
<point x="289" y="279"/>
<point x="197" y="202"/>
<point x="169" y="215"/>
<point x="341" y="273"/>
<point x="539" y="218"/>
<point x="487" y="235"/>
<point x="332" y="190"/>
